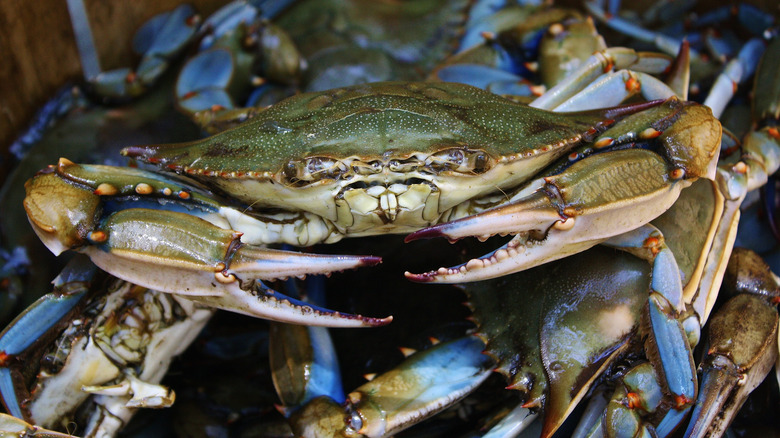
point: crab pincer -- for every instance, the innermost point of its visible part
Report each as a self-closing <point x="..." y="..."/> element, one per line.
<point x="639" y="175"/>
<point x="133" y="223"/>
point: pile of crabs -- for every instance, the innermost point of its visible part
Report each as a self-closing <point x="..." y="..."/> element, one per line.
<point x="591" y="197"/>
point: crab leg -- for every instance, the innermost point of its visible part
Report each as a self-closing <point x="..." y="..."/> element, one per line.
<point x="582" y="206"/>
<point x="14" y="427"/>
<point x="188" y="249"/>
<point x="422" y="385"/>
<point x="112" y="348"/>
<point x="599" y="63"/>
<point x="303" y="359"/>
<point x="736" y="72"/>
<point x="667" y="343"/>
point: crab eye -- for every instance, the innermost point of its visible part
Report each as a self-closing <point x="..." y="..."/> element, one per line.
<point x="319" y="164"/>
<point x="460" y="160"/>
<point x="455" y="157"/>
<point x="480" y="162"/>
<point x="290" y="171"/>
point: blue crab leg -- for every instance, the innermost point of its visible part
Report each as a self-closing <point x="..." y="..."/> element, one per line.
<point x="667" y="343"/>
<point x="158" y="41"/>
<point x="617" y="58"/>
<point x="590" y="424"/>
<point x="664" y="43"/>
<point x="424" y="384"/>
<point x="614" y="88"/>
<point x="14" y="427"/>
<point x="36" y="320"/>
<point x="303" y="359"/>
<point x="735" y="72"/>
<point x="90" y="63"/>
<point x="513" y="424"/>
<point x="671" y="373"/>
<point x="117" y="220"/>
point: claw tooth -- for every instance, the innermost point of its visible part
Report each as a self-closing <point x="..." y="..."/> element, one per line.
<point x="474" y="264"/>
<point x="406" y="351"/>
<point x="443" y="271"/>
<point x="501" y="254"/>
<point x="483" y="237"/>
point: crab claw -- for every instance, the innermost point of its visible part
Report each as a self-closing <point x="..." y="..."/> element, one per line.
<point x="563" y="217"/>
<point x="590" y="201"/>
<point x="743" y="344"/>
<point x="738" y="361"/>
<point x="186" y="249"/>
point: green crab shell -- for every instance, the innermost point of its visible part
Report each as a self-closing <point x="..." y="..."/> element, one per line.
<point x="422" y="147"/>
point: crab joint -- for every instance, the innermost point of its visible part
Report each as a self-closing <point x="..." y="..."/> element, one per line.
<point x="97" y="236"/>
<point x="633" y="400"/>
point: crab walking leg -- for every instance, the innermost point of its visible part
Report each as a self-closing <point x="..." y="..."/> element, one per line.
<point x="599" y="63"/>
<point x="666" y="386"/>
<point x="639" y="392"/>
<point x="424" y="384"/>
<point x="762" y="146"/>
<point x="663" y="42"/>
<point x="303" y="359"/>
<point x="614" y="88"/>
<point x="14" y="427"/>
<point x="743" y="346"/>
<point x="594" y="198"/>
<point x="517" y="421"/>
<point x="735" y="72"/>
<point x="179" y="251"/>
<point x="667" y="344"/>
<point x="110" y="346"/>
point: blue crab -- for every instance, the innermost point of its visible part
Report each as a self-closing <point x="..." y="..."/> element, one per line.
<point x="316" y="182"/>
<point x="371" y="194"/>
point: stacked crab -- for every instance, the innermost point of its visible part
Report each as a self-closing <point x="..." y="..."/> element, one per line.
<point x="621" y="197"/>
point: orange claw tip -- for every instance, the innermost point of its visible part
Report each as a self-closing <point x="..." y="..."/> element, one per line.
<point x="426" y="277"/>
